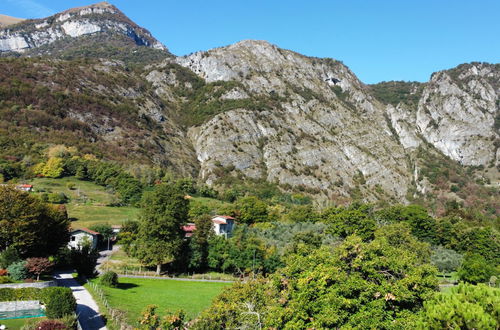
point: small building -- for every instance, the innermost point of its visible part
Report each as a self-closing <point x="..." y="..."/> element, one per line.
<point x="25" y="187"/>
<point x="223" y="225"/>
<point x="81" y="235"/>
<point x="188" y="229"/>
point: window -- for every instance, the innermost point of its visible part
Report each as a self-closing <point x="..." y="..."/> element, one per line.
<point x="73" y="238"/>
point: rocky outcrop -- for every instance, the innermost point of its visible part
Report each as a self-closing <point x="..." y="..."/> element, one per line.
<point x="73" y="23"/>
<point x="459" y="113"/>
<point x="324" y="132"/>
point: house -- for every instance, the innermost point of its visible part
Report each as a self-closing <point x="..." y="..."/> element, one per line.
<point x="188" y="229"/>
<point x="223" y="225"/>
<point x="22" y="187"/>
<point x="81" y="235"/>
<point x="25" y="187"/>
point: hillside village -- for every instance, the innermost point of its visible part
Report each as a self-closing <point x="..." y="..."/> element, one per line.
<point x="243" y="187"/>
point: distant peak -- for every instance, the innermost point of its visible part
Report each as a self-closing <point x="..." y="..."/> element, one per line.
<point x="9" y="20"/>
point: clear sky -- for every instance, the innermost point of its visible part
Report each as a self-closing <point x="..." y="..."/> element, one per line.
<point x="378" y="39"/>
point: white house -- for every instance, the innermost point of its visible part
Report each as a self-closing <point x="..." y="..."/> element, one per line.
<point x="81" y="235"/>
<point x="223" y="225"/>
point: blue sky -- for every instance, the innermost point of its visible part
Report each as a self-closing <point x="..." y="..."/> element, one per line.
<point x="378" y="39"/>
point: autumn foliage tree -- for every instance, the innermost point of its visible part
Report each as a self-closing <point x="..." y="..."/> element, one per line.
<point x="29" y="225"/>
<point x="39" y="266"/>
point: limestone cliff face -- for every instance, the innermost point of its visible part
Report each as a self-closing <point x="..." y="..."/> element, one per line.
<point x="73" y="23"/>
<point x="324" y="131"/>
<point x="459" y="113"/>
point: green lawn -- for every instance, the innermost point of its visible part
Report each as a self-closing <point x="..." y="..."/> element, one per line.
<point x="87" y="204"/>
<point x="134" y="294"/>
<point x="16" y="324"/>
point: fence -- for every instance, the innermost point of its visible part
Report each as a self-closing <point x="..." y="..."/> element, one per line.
<point x="142" y="273"/>
<point x="117" y="316"/>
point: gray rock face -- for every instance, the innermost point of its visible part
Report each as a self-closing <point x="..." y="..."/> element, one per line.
<point x="323" y="135"/>
<point x="73" y="23"/>
<point x="457" y="113"/>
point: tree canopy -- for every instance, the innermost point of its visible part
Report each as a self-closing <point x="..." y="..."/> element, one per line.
<point x="30" y="226"/>
<point x="159" y="238"/>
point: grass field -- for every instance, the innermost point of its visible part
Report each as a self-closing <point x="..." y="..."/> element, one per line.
<point x="88" y="202"/>
<point x="16" y="324"/>
<point x="134" y="294"/>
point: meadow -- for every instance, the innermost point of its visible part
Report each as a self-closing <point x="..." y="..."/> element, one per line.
<point x="134" y="294"/>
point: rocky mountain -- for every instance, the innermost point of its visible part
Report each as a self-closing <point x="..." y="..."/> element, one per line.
<point x="84" y="30"/>
<point x="253" y="110"/>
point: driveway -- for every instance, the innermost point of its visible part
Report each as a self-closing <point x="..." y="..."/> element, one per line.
<point x="86" y="308"/>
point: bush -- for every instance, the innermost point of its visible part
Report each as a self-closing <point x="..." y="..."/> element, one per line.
<point x="57" y="198"/>
<point x="4" y="279"/>
<point x="70" y="186"/>
<point x="464" y="307"/>
<point x="51" y="325"/>
<point x="17" y="271"/>
<point x="10" y="294"/>
<point x="109" y="279"/>
<point x="3" y="272"/>
<point x="58" y="301"/>
<point x="8" y="257"/>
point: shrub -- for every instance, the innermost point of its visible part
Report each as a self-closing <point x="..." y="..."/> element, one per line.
<point x="17" y="271"/>
<point x="3" y="272"/>
<point x="58" y="301"/>
<point x="70" y="186"/>
<point x="4" y="279"/>
<point x="51" y="325"/>
<point x="57" y="198"/>
<point x="464" y="307"/>
<point x="8" y="257"/>
<point x="109" y="279"/>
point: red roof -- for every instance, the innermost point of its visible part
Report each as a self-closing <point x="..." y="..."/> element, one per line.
<point x="190" y="227"/>
<point x="227" y="217"/>
<point x="26" y="185"/>
<point x="87" y="231"/>
<point x="219" y="221"/>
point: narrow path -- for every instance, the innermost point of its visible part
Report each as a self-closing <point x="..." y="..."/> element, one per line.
<point x="86" y="309"/>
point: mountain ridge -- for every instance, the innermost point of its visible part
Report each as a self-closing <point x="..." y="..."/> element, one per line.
<point x="253" y="110"/>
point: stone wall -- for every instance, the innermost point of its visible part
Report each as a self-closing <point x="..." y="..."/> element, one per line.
<point x="11" y="306"/>
<point x="39" y="285"/>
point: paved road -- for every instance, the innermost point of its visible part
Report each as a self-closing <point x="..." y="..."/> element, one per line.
<point x="86" y="309"/>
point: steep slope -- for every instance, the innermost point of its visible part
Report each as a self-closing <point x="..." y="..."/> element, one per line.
<point x="99" y="29"/>
<point x="320" y="129"/>
<point x="100" y="106"/>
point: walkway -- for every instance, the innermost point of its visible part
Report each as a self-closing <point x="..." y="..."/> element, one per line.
<point x="86" y="309"/>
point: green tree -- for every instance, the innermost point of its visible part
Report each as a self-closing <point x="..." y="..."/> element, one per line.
<point x="128" y="235"/>
<point x="160" y="236"/>
<point x="423" y="226"/>
<point x="351" y="221"/>
<point x="8" y="257"/>
<point x="53" y="168"/>
<point x="476" y="269"/>
<point x="17" y="271"/>
<point x="198" y="245"/>
<point x="30" y="226"/>
<point x="357" y="285"/>
<point x="464" y="307"/>
<point x="252" y="210"/>
<point x="446" y="260"/>
<point x="105" y="232"/>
